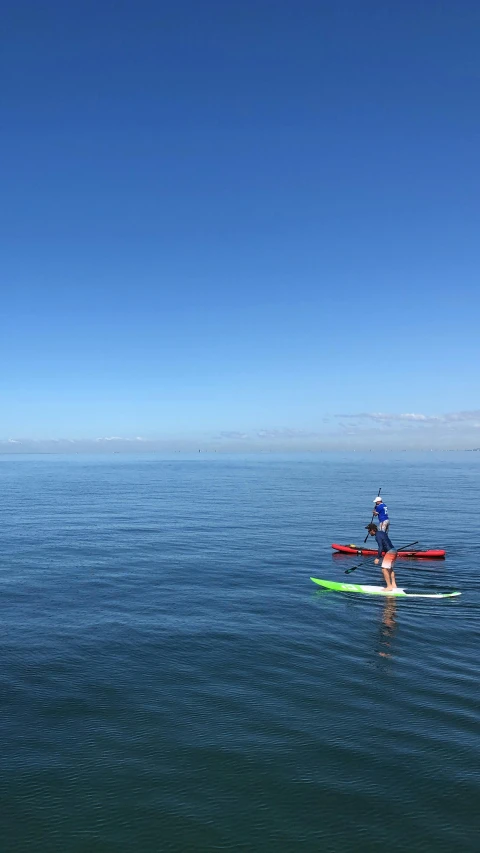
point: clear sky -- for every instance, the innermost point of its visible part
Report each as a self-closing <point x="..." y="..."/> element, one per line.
<point x="233" y="220"/>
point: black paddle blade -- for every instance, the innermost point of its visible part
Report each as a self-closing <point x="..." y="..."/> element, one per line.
<point x="349" y="571"/>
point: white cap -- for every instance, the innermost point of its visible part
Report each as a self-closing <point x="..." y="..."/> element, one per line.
<point x="377" y="500"/>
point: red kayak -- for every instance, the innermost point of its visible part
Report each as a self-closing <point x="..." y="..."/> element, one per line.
<point x="372" y="552"/>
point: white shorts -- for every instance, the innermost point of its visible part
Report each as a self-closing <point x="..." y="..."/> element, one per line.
<point x="384" y="525"/>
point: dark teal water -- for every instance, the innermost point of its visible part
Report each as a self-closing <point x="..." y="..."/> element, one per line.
<point x="173" y="681"/>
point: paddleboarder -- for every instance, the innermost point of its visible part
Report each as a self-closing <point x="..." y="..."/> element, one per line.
<point x="384" y="545"/>
<point x="381" y="510"/>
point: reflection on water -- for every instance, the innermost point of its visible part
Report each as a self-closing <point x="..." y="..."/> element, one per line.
<point x="387" y="628"/>
<point x="389" y="620"/>
<point x="168" y="666"/>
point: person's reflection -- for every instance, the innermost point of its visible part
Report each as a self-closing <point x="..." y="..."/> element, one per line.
<point x="388" y="627"/>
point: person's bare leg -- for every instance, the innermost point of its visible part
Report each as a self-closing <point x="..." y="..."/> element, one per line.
<point x="386" y="574"/>
<point x="387" y="570"/>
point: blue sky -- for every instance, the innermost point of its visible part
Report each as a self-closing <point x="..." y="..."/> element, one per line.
<point x="226" y="221"/>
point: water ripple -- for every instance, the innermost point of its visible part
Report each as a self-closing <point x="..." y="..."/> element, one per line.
<point x="172" y="681"/>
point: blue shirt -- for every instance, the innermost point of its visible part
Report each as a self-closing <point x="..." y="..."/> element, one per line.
<point x="382" y="511"/>
<point x="384" y="543"/>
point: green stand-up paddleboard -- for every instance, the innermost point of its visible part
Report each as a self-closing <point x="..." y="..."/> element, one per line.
<point x="380" y="590"/>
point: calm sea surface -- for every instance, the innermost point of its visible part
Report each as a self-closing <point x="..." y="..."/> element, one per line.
<point x="173" y="681"/>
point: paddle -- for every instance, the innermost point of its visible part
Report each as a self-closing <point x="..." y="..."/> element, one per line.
<point x="403" y="548"/>
<point x="373" y="516"/>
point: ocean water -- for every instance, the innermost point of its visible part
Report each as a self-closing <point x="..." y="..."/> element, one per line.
<point x="173" y="681"/>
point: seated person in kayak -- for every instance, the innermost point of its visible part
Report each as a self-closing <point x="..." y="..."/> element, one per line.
<point x="382" y="511"/>
<point x="384" y="545"/>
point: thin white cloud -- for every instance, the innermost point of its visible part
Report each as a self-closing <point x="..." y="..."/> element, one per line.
<point x="285" y="433"/>
<point x="473" y="415"/>
<point x="281" y="434"/>
<point x="233" y="435"/>
<point x="362" y="429"/>
<point x="416" y="417"/>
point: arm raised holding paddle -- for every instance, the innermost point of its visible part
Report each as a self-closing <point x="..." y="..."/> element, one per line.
<point x="378" y="498"/>
<point x="381" y="511"/>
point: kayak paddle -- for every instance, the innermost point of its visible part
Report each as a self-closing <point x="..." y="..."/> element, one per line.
<point x="403" y="548"/>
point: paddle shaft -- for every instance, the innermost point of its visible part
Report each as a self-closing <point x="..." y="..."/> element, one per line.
<point x="403" y="548"/>
<point x="373" y="516"/>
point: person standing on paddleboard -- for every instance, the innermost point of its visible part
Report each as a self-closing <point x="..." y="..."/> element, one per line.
<point x="385" y="547"/>
<point x="382" y="511"/>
